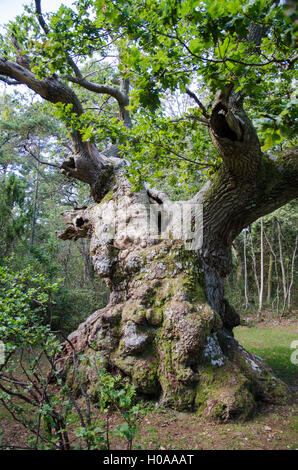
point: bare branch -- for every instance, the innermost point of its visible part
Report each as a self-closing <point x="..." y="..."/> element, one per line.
<point x="227" y="59"/>
<point x="8" y="81"/>
<point x="201" y="106"/>
<point x="37" y="159"/>
<point x="178" y="155"/>
<point x="192" y="116"/>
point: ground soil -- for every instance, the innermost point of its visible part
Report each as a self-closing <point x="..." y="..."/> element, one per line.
<point x="272" y="427"/>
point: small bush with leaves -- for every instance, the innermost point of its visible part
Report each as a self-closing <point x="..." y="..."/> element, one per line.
<point x="33" y="390"/>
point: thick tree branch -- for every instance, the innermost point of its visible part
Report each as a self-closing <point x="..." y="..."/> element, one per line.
<point x="277" y="184"/>
<point x="124" y="88"/>
<point x="229" y="205"/>
<point x="192" y="116"/>
<point x="119" y="95"/>
<point x="159" y="196"/>
<point x="85" y="163"/>
<point x="8" y="81"/>
<point x="227" y="59"/>
<point x="50" y="88"/>
<point x="101" y="89"/>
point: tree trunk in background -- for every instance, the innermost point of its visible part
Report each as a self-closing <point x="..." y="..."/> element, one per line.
<point x="269" y="278"/>
<point x="282" y="266"/>
<point x="261" y="269"/>
<point x="34" y="208"/>
<point x="245" y="269"/>
<point x="292" y="272"/>
<point x="254" y="263"/>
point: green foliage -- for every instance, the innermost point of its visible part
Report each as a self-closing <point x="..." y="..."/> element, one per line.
<point x="33" y="237"/>
<point x="14" y="215"/>
<point x="50" y="413"/>
<point x="53" y="418"/>
<point x="113" y="395"/>
<point x="169" y="44"/>
<point x="31" y="350"/>
<point x="24" y="297"/>
<point x="170" y="152"/>
<point x="164" y="46"/>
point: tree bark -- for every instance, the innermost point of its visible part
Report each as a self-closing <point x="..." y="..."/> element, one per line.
<point x="236" y="253"/>
<point x="85" y="163"/>
<point x="254" y="263"/>
<point x="282" y="267"/>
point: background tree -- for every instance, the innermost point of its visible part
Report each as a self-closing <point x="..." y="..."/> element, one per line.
<point x="276" y="297"/>
<point x="33" y="142"/>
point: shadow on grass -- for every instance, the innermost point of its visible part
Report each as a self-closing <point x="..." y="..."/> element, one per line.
<point x="272" y="344"/>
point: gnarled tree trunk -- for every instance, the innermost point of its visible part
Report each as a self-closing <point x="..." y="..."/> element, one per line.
<point x="168" y="325"/>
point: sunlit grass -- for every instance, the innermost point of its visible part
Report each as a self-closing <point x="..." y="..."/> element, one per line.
<point x="273" y="344"/>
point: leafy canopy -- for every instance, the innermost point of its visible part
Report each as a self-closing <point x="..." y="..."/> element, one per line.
<point x="163" y="47"/>
<point x="170" y="44"/>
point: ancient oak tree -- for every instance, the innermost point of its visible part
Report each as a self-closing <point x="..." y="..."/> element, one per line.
<point x="167" y="325"/>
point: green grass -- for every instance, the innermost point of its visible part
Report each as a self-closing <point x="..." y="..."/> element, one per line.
<point x="272" y="344"/>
